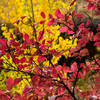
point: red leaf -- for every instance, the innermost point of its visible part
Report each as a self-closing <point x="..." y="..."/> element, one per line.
<point x="74" y="12"/>
<point x="49" y="31"/>
<point x="34" y="79"/>
<point x="25" y="65"/>
<point x="43" y="42"/>
<point x="97" y="44"/>
<point x="88" y="22"/>
<point x="2" y="92"/>
<point x="37" y="91"/>
<point x="3" y="42"/>
<point x="74" y="67"/>
<point x="42" y="22"/>
<point x="43" y="14"/>
<point x="79" y="15"/>
<point x="83" y="94"/>
<point x="56" y="53"/>
<point x="32" y="41"/>
<point x="41" y="58"/>
<point x="90" y="36"/>
<point x="30" y="60"/>
<point x="14" y="43"/>
<point x="16" y="60"/>
<point x="24" y="98"/>
<point x="41" y="33"/>
<point x="81" y="26"/>
<point x="26" y="36"/>
<point x="23" y="17"/>
<point x="64" y="98"/>
<point x="17" y="96"/>
<point x="26" y="90"/>
<point x="98" y="13"/>
<point x="23" y="59"/>
<point x="24" y="45"/>
<point x="50" y="41"/>
<point x="20" y="67"/>
<point x="4" y="97"/>
<point x="50" y="16"/>
<point x="59" y="68"/>
<point x="63" y="29"/>
<point x="97" y="37"/>
<point x="52" y="20"/>
<point x="84" y="52"/>
<point x="70" y="32"/>
<point x="9" y="83"/>
<point x="16" y="22"/>
<point x="54" y="73"/>
<point x="98" y="28"/>
<point x="16" y="81"/>
<point x="98" y="79"/>
<point x="91" y="6"/>
<point x="66" y="69"/>
<point x="58" y="14"/>
<point x="1" y="60"/>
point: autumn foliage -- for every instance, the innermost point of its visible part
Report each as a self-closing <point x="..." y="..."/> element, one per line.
<point x="57" y="66"/>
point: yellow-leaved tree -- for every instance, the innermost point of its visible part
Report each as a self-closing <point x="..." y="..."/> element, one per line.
<point x="27" y="16"/>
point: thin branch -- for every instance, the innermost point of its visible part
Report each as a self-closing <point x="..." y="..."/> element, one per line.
<point x="76" y="79"/>
<point x="62" y="82"/>
<point x="28" y="73"/>
<point x="32" y="11"/>
<point x="33" y="20"/>
<point x="8" y="62"/>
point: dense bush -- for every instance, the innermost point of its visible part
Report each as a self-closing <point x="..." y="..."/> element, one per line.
<point x="59" y="58"/>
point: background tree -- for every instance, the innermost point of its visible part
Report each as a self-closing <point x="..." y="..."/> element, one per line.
<point x="26" y="14"/>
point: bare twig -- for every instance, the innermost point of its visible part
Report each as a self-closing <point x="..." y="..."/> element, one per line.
<point x="33" y="20"/>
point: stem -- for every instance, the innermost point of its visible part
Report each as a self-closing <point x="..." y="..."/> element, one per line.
<point x="32" y="11"/>
<point x="76" y="79"/>
<point x="69" y="91"/>
<point x="33" y="20"/>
